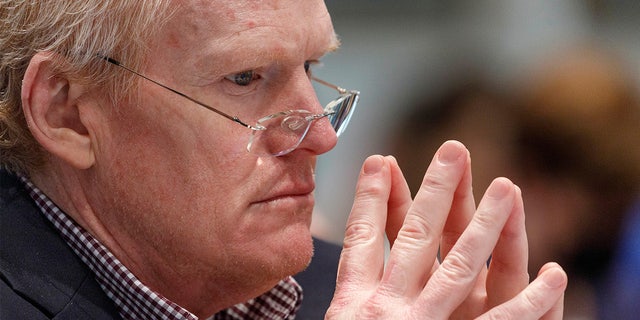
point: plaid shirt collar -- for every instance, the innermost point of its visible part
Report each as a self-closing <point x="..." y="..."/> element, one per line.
<point x="133" y="299"/>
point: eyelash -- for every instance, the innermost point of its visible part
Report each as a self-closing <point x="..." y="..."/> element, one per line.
<point x="309" y="64"/>
<point x="245" y="78"/>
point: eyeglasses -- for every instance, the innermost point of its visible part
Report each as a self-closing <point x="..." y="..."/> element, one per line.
<point x="280" y="133"/>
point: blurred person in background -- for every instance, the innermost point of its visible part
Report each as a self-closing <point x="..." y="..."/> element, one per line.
<point x="578" y="152"/>
<point x="469" y="109"/>
<point x="570" y="137"/>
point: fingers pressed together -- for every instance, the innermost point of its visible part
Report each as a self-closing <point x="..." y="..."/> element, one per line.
<point x="440" y="245"/>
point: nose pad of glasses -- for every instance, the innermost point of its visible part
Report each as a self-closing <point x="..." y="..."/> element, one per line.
<point x="296" y="128"/>
<point x="283" y="133"/>
<point x="294" y="123"/>
<point x="299" y="125"/>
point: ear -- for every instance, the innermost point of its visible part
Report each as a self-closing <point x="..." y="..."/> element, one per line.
<point x="50" y="102"/>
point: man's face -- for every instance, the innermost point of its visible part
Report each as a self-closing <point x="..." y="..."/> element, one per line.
<point x="174" y="182"/>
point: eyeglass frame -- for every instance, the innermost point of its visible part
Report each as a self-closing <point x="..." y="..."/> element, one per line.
<point x="352" y="94"/>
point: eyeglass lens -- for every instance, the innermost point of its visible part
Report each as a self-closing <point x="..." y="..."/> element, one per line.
<point x="342" y="110"/>
<point x="284" y="131"/>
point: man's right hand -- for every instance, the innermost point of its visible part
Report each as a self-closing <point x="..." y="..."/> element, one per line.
<point x="442" y="221"/>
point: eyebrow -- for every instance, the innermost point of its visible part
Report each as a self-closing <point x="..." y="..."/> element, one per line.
<point x="335" y="43"/>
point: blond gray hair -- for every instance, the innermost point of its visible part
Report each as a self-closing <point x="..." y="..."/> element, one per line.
<point x="76" y="31"/>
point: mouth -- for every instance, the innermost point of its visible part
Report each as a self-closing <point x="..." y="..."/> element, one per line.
<point x="290" y="190"/>
<point x="283" y="199"/>
<point x="294" y="198"/>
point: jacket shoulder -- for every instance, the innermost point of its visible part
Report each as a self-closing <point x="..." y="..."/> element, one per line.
<point x="39" y="272"/>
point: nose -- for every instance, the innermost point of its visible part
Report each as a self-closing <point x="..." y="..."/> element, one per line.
<point x="321" y="137"/>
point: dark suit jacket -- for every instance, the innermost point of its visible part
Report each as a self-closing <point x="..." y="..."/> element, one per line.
<point x="318" y="281"/>
<point x="40" y="277"/>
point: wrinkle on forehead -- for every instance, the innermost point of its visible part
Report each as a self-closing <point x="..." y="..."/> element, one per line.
<point x="243" y="13"/>
<point x="212" y="28"/>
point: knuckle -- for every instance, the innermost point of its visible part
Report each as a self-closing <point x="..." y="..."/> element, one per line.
<point x="373" y="308"/>
<point x="359" y="232"/>
<point x="500" y="314"/>
<point x="458" y="269"/>
<point x="371" y="191"/>
<point x="417" y="228"/>
<point x="484" y="218"/>
<point x="434" y="182"/>
<point x="490" y="220"/>
<point x="533" y="301"/>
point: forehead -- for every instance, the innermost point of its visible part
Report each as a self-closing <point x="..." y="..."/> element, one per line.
<point x="239" y="29"/>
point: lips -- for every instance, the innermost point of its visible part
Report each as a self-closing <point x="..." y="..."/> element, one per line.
<point x="289" y="182"/>
<point x="299" y="192"/>
<point x="287" y="197"/>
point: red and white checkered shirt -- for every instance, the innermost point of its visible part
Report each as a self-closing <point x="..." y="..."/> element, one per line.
<point x="133" y="299"/>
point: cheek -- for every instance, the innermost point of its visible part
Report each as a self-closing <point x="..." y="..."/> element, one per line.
<point x="176" y="211"/>
<point x="174" y="149"/>
<point x="181" y="188"/>
<point x="165" y="178"/>
<point x="189" y="176"/>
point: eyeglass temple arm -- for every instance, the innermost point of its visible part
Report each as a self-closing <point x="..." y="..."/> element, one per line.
<point x="330" y="85"/>
<point x="202" y="104"/>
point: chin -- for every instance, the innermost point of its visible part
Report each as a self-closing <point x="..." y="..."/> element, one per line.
<point x="298" y="250"/>
<point x="290" y="253"/>
<point x="271" y="247"/>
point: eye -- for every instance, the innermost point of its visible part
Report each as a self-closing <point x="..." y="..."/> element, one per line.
<point x="243" y="78"/>
<point x="308" y="64"/>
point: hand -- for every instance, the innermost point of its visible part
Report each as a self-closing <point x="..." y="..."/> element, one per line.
<point x="441" y="219"/>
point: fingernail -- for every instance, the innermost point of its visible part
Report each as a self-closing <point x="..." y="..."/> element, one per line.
<point x="449" y="153"/>
<point x="554" y="278"/>
<point x="392" y="158"/>
<point x="518" y="190"/>
<point x="373" y="165"/>
<point x="499" y="188"/>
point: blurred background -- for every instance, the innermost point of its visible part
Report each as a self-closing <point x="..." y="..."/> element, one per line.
<point x="543" y="92"/>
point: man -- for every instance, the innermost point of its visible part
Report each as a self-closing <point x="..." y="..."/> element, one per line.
<point x="177" y="208"/>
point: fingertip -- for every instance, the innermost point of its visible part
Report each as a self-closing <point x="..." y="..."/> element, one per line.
<point x="500" y="187"/>
<point x="548" y="266"/>
<point x="505" y="181"/>
<point x="392" y="159"/>
<point x="519" y="203"/>
<point x="553" y="275"/>
<point x="373" y="164"/>
<point x="457" y="143"/>
<point x="451" y="151"/>
<point x="394" y="166"/>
